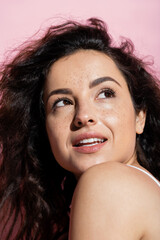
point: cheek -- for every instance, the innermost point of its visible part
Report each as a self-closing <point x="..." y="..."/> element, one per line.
<point x="55" y="140"/>
<point x="121" y="119"/>
<point x="58" y="132"/>
<point x="125" y="130"/>
<point x="122" y="127"/>
<point x="53" y="132"/>
<point x="58" y="137"/>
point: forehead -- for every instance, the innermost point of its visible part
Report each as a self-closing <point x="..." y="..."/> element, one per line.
<point x="81" y="67"/>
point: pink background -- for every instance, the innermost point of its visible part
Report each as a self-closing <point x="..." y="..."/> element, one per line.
<point x="138" y="20"/>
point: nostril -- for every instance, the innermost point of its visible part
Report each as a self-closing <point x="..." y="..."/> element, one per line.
<point x="79" y="123"/>
<point x="90" y="120"/>
<point x="82" y="122"/>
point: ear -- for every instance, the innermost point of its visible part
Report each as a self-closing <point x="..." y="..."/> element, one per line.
<point x="140" y="121"/>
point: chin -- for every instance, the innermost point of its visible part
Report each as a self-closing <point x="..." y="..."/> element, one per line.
<point x="83" y="169"/>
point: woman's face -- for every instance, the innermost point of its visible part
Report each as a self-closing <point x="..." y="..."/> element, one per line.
<point x="90" y="118"/>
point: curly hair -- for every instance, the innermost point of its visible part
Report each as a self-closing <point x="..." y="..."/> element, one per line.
<point x="35" y="192"/>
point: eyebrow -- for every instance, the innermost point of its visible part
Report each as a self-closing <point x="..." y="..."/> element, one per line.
<point x="101" y="80"/>
<point x="91" y="85"/>
<point x="59" y="91"/>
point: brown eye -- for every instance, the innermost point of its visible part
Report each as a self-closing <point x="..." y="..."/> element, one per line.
<point x="106" y="93"/>
<point x="61" y="102"/>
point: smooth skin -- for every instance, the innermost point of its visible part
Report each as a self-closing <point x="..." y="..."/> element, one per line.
<point x="92" y="125"/>
<point x="113" y="201"/>
<point x="79" y="105"/>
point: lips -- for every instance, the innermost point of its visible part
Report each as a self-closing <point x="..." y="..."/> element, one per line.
<point x="89" y="142"/>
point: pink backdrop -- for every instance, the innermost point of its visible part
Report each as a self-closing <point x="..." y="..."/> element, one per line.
<point x="138" y="20"/>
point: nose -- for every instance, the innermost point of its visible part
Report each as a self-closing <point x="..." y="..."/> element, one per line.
<point x="84" y="116"/>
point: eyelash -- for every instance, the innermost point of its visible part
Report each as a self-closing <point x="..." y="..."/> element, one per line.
<point x="59" y="100"/>
<point x="110" y="92"/>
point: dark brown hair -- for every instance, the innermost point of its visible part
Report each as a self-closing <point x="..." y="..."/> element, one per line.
<point x="35" y="192"/>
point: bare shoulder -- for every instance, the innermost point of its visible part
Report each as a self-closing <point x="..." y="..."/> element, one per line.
<point x="122" y="197"/>
<point x="118" y="175"/>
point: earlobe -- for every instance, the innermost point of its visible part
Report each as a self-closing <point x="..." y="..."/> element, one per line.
<point x="140" y="121"/>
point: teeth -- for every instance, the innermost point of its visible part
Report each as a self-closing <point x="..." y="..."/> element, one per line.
<point x="90" y="141"/>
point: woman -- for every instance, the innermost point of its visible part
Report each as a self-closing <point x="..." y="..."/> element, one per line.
<point x="76" y="108"/>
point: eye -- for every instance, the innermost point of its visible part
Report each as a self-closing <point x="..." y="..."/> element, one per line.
<point x="106" y="93"/>
<point x="61" y="102"/>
